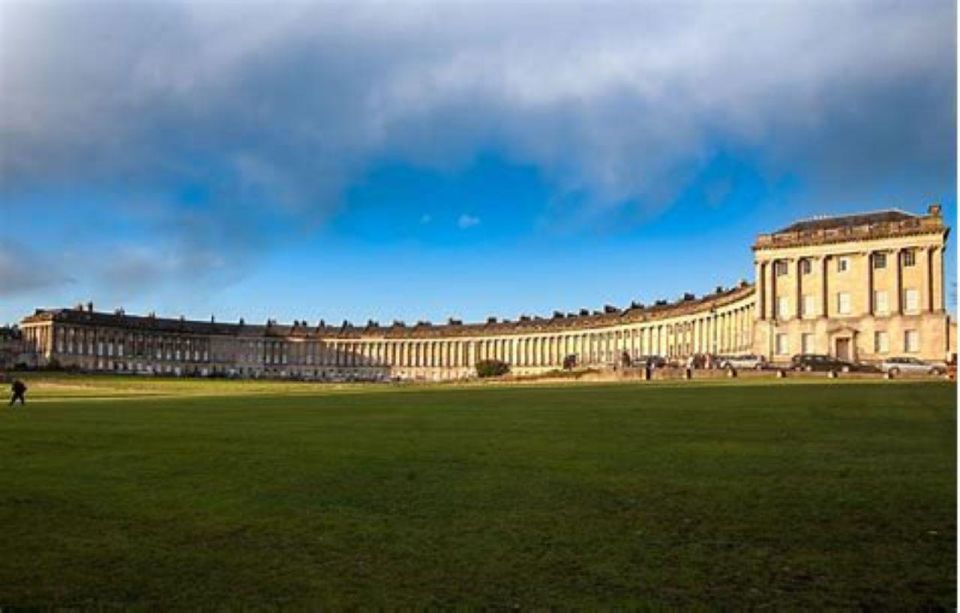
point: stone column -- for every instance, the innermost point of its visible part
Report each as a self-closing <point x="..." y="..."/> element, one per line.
<point x="798" y="303"/>
<point x="824" y="286"/>
<point x="929" y="276"/>
<point x="939" y="304"/>
<point x="761" y="289"/>
<point x="870" y="263"/>
<point x="773" y="290"/>
<point x="898" y="281"/>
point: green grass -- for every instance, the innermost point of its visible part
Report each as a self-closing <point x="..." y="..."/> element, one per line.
<point x="164" y="494"/>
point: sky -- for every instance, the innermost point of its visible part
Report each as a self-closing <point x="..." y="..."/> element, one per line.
<point x="423" y="160"/>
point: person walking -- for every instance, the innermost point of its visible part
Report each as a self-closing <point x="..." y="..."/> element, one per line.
<point x="19" y="392"/>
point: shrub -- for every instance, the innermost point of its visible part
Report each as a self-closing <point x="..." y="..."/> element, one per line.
<point x="492" y="368"/>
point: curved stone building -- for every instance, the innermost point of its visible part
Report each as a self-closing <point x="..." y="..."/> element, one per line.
<point x="861" y="287"/>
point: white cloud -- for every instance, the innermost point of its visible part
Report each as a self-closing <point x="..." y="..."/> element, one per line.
<point x="280" y="107"/>
<point x="467" y="221"/>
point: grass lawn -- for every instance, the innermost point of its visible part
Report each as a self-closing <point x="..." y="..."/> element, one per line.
<point x="167" y="494"/>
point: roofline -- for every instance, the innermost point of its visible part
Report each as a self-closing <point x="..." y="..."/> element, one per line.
<point x="516" y="326"/>
<point x="856" y="214"/>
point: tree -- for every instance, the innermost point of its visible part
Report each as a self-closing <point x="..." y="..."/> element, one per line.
<point x="492" y="368"/>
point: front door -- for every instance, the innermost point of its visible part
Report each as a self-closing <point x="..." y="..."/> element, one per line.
<point x="843" y="349"/>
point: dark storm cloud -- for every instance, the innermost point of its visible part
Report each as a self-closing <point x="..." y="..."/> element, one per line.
<point x="276" y="108"/>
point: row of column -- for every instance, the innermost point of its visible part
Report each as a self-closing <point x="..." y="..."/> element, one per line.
<point x="929" y="259"/>
<point x="729" y="331"/>
<point x="711" y="332"/>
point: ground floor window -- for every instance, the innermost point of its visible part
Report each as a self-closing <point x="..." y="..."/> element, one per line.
<point x="911" y="341"/>
<point x="782" y="345"/>
<point x="881" y="343"/>
<point x="806" y="343"/>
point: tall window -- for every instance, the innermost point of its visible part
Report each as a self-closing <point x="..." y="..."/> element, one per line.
<point x="911" y="300"/>
<point x="881" y="343"/>
<point x="843" y="303"/>
<point x="843" y="264"/>
<point x="782" y="346"/>
<point x="783" y="307"/>
<point x="911" y="341"/>
<point x="809" y="305"/>
<point x="909" y="257"/>
<point x="806" y="343"/>
<point x="880" y="304"/>
<point x="879" y="260"/>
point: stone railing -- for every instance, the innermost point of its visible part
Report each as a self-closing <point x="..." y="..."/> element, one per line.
<point x="919" y="225"/>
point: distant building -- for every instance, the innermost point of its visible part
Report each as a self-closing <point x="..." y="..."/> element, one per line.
<point x="860" y="287"/>
<point x="13" y="350"/>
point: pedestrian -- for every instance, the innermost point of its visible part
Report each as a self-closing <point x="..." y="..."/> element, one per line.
<point x="19" y="392"/>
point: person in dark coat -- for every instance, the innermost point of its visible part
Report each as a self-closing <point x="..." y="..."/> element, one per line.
<point x="19" y="392"/>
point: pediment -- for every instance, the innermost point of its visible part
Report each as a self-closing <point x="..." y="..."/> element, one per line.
<point x="843" y="327"/>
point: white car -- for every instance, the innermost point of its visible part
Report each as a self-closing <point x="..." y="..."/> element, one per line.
<point x="913" y="366"/>
<point x="740" y="362"/>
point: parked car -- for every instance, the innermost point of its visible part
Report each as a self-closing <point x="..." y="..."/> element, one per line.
<point x="751" y="362"/>
<point x="818" y="362"/>
<point x="653" y="361"/>
<point x="905" y="365"/>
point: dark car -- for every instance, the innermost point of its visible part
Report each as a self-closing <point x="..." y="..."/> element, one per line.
<point x="818" y="362"/>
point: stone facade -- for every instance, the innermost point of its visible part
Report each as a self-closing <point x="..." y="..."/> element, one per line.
<point x="885" y="298"/>
<point x="864" y="289"/>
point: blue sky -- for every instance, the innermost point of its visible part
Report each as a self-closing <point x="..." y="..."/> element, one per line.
<point x="424" y="160"/>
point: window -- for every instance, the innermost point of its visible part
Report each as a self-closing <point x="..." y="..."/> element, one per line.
<point x="881" y="343"/>
<point x="880" y="305"/>
<point x="909" y="257"/>
<point x="805" y="266"/>
<point x="911" y="300"/>
<point x="809" y="305"/>
<point x="843" y="303"/>
<point x="782" y="346"/>
<point x="783" y="307"/>
<point x="843" y="264"/>
<point x="806" y="343"/>
<point x="780" y="268"/>
<point x="879" y="260"/>
<point x="911" y="341"/>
